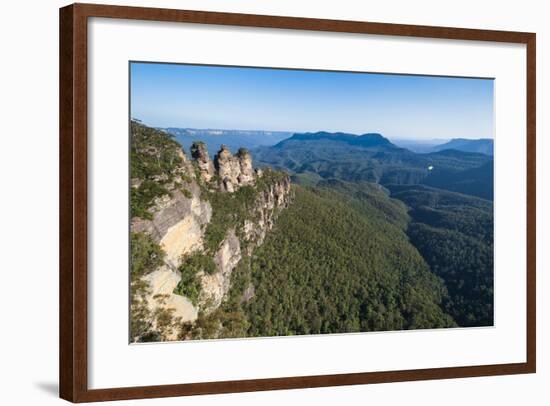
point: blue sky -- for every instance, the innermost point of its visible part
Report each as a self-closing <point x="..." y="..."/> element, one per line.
<point x="397" y="106"/>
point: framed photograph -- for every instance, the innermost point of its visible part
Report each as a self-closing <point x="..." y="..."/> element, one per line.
<point x="255" y="202"/>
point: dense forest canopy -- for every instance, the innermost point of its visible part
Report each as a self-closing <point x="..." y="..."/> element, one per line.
<point x="336" y="264"/>
<point x="454" y="233"/>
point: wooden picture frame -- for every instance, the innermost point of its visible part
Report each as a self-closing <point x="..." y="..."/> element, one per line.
<point x="74" y="201"/>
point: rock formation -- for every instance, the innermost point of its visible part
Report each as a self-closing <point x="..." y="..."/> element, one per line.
<point x="177" y="223"/>
<point x="274" y="198"/>
<point x="202" y="159"/>
<point x="246" y="176"/>
<point x="216" y="286"/>
<point x="179" y="220"/>
<point x="231" y="171"/>
<point x="234" y="171"/>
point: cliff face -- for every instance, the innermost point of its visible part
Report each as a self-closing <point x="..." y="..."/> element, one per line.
<point x="186" y="222"/>
<point x="177" y="222"/>
<point x="253" y="230"/>
<point x="215" y="286"/>
<point x="275" y="196"/>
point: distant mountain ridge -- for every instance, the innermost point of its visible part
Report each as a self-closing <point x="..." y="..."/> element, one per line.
<point x="233" y="139"/>
<point x="373" y="158"/>
<point x="482" y="145"/>
<point x="419" y="146"/>
<point x="222" y="132"/>
<point x="364" y="140"/>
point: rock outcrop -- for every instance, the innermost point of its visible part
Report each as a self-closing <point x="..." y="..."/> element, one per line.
<point x="177" y="223"/>
<point x="202" y="159"/>
<point x="275" y="197"/>
<point x="247" y="171"/>
<point x="162" y="282"/>
<point x="216" y="286"/>
<point x="233" y="171"/>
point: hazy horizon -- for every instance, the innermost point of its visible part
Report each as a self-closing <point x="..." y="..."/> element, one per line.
<point x="393" y="139"/>
<point x="400" y="107"/>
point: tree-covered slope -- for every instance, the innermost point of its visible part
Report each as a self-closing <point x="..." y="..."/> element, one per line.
<point x="454" y="233"/>
<point x="476" y="181"/>
<point x="335" y="264"/>
<point x="154" y="162"/>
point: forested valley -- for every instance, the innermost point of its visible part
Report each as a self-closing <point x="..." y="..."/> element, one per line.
<point x="375" y="240"/>
<point x="368" y="237"/>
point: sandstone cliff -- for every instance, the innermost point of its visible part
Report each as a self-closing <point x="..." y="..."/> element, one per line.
<point x="214" y="213"/>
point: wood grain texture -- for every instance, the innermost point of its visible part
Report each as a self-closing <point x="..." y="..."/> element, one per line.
<point x="73" y="201"/>
<point x="66" y="131"/>
<point x="531" y="174"/>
